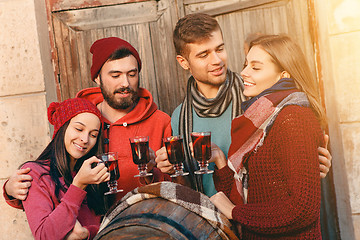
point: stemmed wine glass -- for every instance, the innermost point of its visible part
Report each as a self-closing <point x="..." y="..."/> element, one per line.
<point x="175" y="151"/>
<point x="140" y="154"/>
<point x="202" y="150"/>
<point x="110" y="160"/>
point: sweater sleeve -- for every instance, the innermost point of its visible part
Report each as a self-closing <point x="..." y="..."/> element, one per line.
<point x="46" y="220"/>
<point x="223" y="180"/>
<point x="295" y="201"/>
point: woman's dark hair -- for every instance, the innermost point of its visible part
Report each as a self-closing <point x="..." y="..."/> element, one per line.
<point x="56" y="157"/>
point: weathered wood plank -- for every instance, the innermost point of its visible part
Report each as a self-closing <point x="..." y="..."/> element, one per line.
<point x="110" y="16"/>
<point x="233" y="33"/>
<point x="61" y="5"/>
<point x="186" y="2"/>
<point x="170" y="90"/>
<point x="225" y="6"/>
<point x="61" y="40"/>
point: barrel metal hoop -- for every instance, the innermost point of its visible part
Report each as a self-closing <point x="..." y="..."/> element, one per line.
<point x="158" y="217"/>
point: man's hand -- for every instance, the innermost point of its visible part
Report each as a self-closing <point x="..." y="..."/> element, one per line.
<point x="162" y="161"/>
<point x="77" y="233"/>
<point x="324" y="158"/>
<point x="151" y="164"/>
<point x="18" y="184"/>
<point x="217" y="156"/>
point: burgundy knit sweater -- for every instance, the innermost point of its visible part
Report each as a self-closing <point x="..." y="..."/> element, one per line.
<point x="284" y="181"/>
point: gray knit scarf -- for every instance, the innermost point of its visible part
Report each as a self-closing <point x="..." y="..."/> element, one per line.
<point x="230" y="91"/>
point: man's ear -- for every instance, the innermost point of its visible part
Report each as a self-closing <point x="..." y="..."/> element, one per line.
<point x="183" y="62"/>
<point x="97" y="79"/>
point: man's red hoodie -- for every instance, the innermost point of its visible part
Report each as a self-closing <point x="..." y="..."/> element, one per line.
<point x="144" y="120"/>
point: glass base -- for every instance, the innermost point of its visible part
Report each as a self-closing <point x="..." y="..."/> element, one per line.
<point x="204" y="171"/>
<point x="113" y="191"/>
<point x="178" y="174"/>
<point x="143" y="174"/>
<point x="112" y="185"/>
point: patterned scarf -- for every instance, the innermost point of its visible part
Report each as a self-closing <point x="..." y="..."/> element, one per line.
<point x="230" y="91"/>
<point x="249" y="130"/>
<point x="181" y="195"/>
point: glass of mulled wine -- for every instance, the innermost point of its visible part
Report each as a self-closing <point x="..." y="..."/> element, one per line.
<point x="140" y="154"/>
<point x="175" y="151"/>
<point x="110" y="160"/>
<point x="202" y="150"/>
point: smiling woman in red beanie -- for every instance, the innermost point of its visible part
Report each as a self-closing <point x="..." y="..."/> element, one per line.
<point x="64" y="199"/>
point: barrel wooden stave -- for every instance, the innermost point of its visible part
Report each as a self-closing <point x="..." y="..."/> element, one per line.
<point x="136" y="232"/>
<point x="129" y="223"/>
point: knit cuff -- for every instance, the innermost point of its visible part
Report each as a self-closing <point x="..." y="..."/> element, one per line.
<point x="93" y="229"/>
<point x="223" y="179"/>
<point x="13" y="202"/>
<point x="224" y="174"/>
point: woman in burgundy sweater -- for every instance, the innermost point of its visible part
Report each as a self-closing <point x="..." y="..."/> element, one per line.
<point x="270" y="184"/>
<point x="64" y="201"/>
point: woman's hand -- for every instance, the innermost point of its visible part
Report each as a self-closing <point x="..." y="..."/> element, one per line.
<point x="77" y="233"/>
<point x="324" y="158"/>
<point x="87" y="175"/>
<point x="221" y="201"/>
<point x="217" y="156"/>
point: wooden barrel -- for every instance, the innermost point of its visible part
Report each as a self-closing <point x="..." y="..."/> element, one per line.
<point x="158" y="218"/>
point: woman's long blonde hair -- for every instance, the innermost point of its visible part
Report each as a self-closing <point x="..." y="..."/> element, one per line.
<point x="287" y="55"/>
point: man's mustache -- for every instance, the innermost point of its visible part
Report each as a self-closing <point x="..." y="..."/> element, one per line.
<point x="124" y="90"/>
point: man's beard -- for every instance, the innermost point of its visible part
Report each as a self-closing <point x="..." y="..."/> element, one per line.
<point x="123" y="103"/>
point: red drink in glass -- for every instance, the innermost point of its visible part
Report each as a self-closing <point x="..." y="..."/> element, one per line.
<point x="202" y="150"/>
<point x="110" y="160"/>
<point x="113" y="168"/>
<point x="140" y="154"/>
<point x="175" y="151"/>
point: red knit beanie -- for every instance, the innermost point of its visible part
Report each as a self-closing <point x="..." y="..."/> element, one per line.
<point x="60" y="113"/>
<point x="102" y="50"/>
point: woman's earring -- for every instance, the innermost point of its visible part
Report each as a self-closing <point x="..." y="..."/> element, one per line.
<point x="285" y="74"/>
